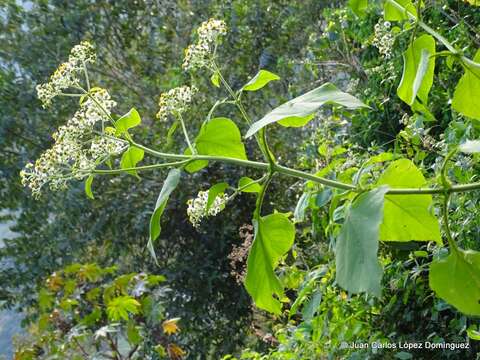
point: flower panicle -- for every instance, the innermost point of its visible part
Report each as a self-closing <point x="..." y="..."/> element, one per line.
<point x="197" y="207"/>
<point x="67" y="74"/>
<point x="198" y="55"/>
<point x="176" y="100"/>
<point x="77" y="149"/>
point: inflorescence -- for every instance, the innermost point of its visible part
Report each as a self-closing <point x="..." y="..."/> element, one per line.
<point x="197" y="208"/>
<point x="198" y="55"/>
<point x="78" y="147"/>
<point x="383" y="39"/>
<point x="175" y="101"/>
<point x="67" y="74"/>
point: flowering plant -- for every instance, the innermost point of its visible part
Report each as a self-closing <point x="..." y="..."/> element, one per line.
<point x="395" y="206"/>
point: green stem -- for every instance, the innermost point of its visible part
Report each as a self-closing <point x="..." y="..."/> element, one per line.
<point x="448" y="233"/>
<point x="185" y="133"/>
<point x="306" y="176"/>
<point x="141" y="168"/>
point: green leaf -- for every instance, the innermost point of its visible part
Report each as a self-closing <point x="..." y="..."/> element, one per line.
<point x="301" y="207"/>
<point x="456" y="279"/>
<point x="465" y="97"/>
<point x="274" y="236"/>
<point x="130" y="158"/>
<point x="218" y="137"/>
<point x="121" y="306"/>
<point x="358" y="268"/>
<point x="171" y="182"/>
<point x="418" y="69"/>
<point x="407" y="217"/>
<point x="470" y="146"/>
<point x="214" y="191"/>
<point x="127" y="121"/>
<point x="358" y="6"/>
<point x="262" y="78"/>
<point x="253" y="188"/>
<point x="133" y="333"/>
<point x="215" y="79"/>
<point x="392" y="13"/>
<point x="88" y="187"/>
<point x="299" y="111"/>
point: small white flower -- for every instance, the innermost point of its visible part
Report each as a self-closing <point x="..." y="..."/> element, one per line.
<point x="175" y="100"/>
<point x="197" y="208"/>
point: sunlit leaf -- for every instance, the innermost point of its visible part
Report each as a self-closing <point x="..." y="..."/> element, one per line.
<point x="88" y="187"/>
<point x="392" y="13"/>
<point x="299" y="111"/>
<point x="418" y="70"/>
<point x="456" y="279"/>
<point x="465" y="97"/>
<point x="262" y="78"/>
<point x="119" y="307"/>
<point x="127" y="121"/>
<point x="244" y="184"/>
<point x="274" y="236"/>
<point x="130" y="158"/>
<point x="407" y="217"/>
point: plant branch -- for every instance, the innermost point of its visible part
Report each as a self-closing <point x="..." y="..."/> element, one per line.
<point x="289" y="172"/>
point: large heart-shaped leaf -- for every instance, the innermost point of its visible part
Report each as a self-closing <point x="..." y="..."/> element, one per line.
<point x="274" y="236"/>
<point x="456" y="279"/>
<point x="358" y="268"/>
<point x="299" y="111"/>
<point x="407" y="217"/>
<point x="220" y="137"/>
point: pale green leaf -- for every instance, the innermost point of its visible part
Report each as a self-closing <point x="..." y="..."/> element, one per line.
<point x="465" y="97"/>
<point x="274" y="236"/>
<point x="407" y="217"/>
<point x="358" y="6"/>
<point x="298" y="111"/>
<point x="88" y="187"/>
<point x="121" y="306"/>
<point x="130" y="158"/>
<point x="219" y="137"/>
<point x="214" y="191"/>
<point x="456" y="279"/>
<point x="252" y="188"/>
<point x="127" y="121"/>
<point x="215" y="79"/>
<point x="470" y="146"/>
<point x="418" y="70"/>
<point x="262" y="78"/>
<point x="392" y="13"/>
<point x="171" y="182"/>
<point x="357" y="266"/>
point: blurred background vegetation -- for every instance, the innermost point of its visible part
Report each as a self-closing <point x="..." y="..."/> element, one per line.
<point x="140" y="48"/>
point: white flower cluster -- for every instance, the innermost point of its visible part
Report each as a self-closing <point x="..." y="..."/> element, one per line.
<point x="76" y="151"/>
<point x="175" y="101"/>
<point x="67" y="73"/>
<point x="197" y="208"/>
<point x="383" y="39"/>
<point x="198" y="55"/>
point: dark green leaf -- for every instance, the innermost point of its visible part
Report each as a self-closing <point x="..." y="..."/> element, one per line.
<point x="169" y="185"/>
<point x="358" y="268"/>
